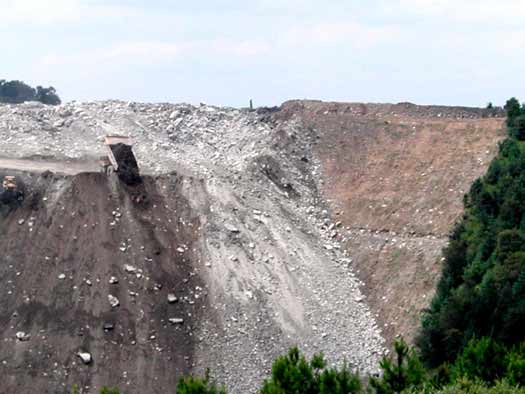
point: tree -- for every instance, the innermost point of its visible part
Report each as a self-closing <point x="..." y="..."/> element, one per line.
<point x="481" y="359"/>
<point x="293" y="374"/>
<point x="196" y="385"/>
<point x="481" y="292"/>
<point x="47" y="95"/>
<point x="403" y="371"/>
<point x="513" y="109"/>
<point x="16" y="92"/>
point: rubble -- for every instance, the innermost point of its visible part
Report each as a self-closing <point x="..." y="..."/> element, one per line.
<point x="85" y="357"/>
<point x="113" y="301"/>
<point x="172" y="298"/>
<point x="256" y="223"/>
<point x="22" y="336"/>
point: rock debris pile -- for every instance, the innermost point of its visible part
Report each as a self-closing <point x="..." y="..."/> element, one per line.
<point x="258" y="256"/>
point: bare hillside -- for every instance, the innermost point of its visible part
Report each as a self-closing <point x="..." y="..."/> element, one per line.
<point x="313" y="224"/>
<point x="395" y="176"/>
<point x="220" y="258"/>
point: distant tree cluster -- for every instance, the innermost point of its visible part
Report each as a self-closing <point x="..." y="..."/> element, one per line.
<point x="16" y="92"/>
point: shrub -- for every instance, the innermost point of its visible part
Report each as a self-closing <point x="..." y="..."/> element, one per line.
<point x="196" y="385"/>
<point x="293" y="374"/>
<point x="403" y="371"/>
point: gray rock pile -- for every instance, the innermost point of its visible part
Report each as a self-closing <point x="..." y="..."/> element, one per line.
<point x="269" y="251"/>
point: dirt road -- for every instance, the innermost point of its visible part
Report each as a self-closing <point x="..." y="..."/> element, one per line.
<point x="58" y="167"/>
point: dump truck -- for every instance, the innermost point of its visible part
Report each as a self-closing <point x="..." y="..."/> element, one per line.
<point x="9" y="182"/>
<point x="121" y="159"/>
<point x="10" y="192"/>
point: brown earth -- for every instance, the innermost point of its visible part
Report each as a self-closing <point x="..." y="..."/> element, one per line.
<point x="87" y="227"/>
<point x="395" y="176"/>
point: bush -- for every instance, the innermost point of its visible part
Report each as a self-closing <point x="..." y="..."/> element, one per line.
<point x="481" y="359"/>
<point x="108" y="390"/>
<point x="399" y="373"/>
<point x="196" y="385"/>
<point x="293" y="374"/>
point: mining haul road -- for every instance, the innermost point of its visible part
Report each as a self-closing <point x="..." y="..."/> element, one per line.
<point x="64" y="167"/>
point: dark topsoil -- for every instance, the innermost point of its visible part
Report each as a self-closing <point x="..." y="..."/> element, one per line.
<point x="63" y="227"/>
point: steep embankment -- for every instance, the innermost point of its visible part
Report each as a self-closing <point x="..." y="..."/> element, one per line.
<point x="395" y="176"/>
<point x="229" y="220"/>
<point x="256" y="221"/>
<point x="74" y="242"/>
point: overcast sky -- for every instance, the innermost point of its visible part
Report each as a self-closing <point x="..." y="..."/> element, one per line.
<point x="224" y="52"/>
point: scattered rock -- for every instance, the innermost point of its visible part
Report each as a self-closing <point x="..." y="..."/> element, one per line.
<point x="113" y="301"/>
<point x="85" y="357"/>
<point x="130" y="269"/>
<point x="23" y="336"/>
<point x="172" y="298"/>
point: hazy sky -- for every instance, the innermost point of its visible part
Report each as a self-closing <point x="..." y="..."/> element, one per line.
<point x="225" y="52"/>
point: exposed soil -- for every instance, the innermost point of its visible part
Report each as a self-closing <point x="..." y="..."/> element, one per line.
<point x="395" y="176"/>
<point x="59" y="251"/>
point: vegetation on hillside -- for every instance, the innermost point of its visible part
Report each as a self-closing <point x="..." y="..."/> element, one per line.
<point x="482" y="289"/>
<point x="15" y="92"/>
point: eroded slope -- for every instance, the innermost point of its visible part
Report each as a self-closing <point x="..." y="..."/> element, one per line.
<point x="395" y="176"/>
<point x="234" y="204"/>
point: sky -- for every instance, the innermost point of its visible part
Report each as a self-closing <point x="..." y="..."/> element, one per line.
<point x="226" y="52"/>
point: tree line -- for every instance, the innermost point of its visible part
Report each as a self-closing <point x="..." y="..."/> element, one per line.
<point x="16" y="92"/>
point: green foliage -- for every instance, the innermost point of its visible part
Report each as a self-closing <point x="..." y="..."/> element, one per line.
<point x="467" y="386"/>
<point x="515" y="365"/>
<point x="47" y="95"/>
<point x="196" y="385"/>
<point x="108" y="390"/>
<point x="16" y="92"/>
<point x="513" y="109"/>
<point x="402" y="371"/>
<point x="74" y="389"/>
<point x="481" y="292"/>
<point x="293" y="374"/>
<point x="481" y="359"/>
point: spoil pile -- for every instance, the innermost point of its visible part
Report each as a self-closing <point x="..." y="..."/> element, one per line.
<point x="235" y="230"/>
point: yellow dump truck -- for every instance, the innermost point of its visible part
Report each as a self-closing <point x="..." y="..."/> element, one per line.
<point x="121" y="159"/>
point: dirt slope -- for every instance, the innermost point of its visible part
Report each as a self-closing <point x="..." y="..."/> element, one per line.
<point x="395" y="176"/>
<point x="233" y="224"/>
<point x="267" y="226"/>
<point x="59" y="251"/>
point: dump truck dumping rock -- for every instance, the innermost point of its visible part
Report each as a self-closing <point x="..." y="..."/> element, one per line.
<point x="128" y="169"/>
